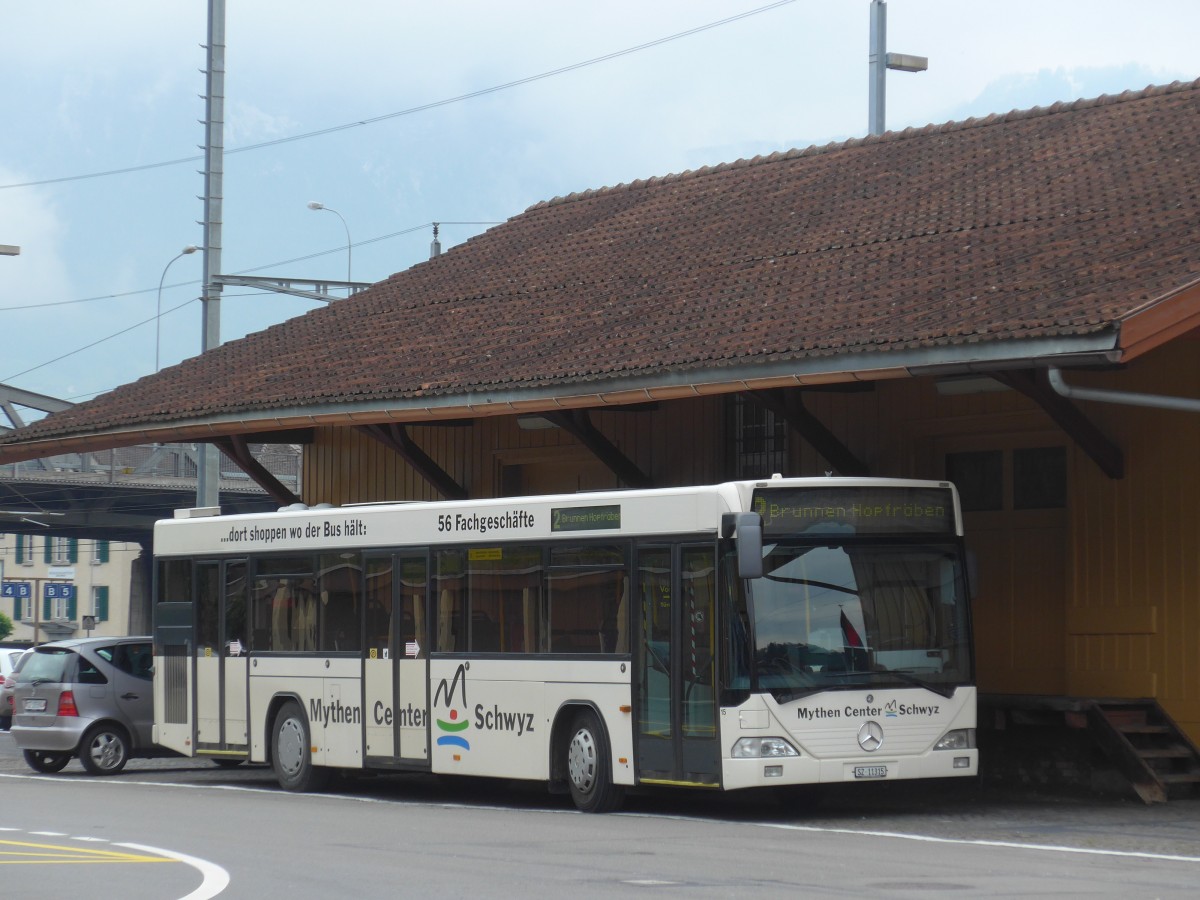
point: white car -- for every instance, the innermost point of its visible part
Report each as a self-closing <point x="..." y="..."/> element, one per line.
<point x="10" y="661"/>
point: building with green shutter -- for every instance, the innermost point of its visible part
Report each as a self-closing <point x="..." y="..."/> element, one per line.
<point x="60" y="587"/>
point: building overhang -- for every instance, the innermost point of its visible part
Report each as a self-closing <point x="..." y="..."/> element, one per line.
<point x="1097" y="349"/>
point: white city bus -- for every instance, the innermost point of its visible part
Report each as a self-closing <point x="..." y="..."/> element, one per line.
<point x="789" y="631"/>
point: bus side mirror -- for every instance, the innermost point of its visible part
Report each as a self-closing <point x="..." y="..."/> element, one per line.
<point x="750" y="545"/>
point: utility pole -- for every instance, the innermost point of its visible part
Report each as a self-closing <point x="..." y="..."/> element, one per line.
<point x="208" y="474"/>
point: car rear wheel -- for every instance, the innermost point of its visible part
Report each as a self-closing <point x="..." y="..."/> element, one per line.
<point x="47" y="761"/>
<point x="104" y="750"/>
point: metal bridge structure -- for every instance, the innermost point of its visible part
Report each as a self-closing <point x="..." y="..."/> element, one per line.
<point x="118" y="494"/>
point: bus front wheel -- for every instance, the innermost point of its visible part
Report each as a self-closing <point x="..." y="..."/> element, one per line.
<point x="589" y="768"/>
<point x="291" y="752"/>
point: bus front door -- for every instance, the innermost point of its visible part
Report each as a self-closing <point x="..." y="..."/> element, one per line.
<point x="221" y="658"/>
<point x="174" y="626"/>
<point x="675" y="699"/>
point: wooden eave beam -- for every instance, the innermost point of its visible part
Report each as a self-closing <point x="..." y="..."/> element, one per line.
<point x="789" y="406"/>
<point x="1159" y="321"/>
<point x="235" y="447"/>
<point x="396" y="438"/>
<point x="1035" y="385"/>
<point x="286" y="436"/>
<point x="579" y="425"/>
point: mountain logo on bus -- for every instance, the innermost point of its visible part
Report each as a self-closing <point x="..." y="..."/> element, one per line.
<point x="452" y="728"/>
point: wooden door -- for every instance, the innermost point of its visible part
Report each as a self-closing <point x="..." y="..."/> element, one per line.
<point x="1014" y="495"/>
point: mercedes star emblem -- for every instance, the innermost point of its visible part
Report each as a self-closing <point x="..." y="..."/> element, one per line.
<point x="870" y="736"/>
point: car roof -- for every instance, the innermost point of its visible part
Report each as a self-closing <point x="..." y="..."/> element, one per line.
<point x="83" y="643"/>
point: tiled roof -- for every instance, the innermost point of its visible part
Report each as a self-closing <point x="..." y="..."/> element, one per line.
<point x="1052" y="224"/>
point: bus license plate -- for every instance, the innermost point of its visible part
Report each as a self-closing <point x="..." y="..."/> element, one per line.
<point x="35" y="706"/>
<point x="870" y="771"/>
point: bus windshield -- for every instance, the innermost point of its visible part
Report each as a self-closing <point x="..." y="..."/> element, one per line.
<point x="859" y="614"/>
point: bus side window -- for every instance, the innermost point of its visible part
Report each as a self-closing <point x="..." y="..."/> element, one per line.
<point x="585" y="609"/>
<point x="379" y="608"/>
<point x="341" y="605"/>
<point x="451" y="630"/>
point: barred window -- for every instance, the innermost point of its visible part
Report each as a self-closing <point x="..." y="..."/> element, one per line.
<point x="760" y="440"/>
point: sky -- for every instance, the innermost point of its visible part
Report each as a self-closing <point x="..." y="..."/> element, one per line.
<point x="398" y="114"/>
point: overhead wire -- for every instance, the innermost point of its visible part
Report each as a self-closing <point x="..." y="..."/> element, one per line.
<point x="172" y="309"/>
<point x="282" y="262"/>
<point x="412" y="110"/>
<point x="337" y="128"/>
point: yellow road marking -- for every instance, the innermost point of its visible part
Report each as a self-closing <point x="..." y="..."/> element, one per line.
<point x="26" y="853"/>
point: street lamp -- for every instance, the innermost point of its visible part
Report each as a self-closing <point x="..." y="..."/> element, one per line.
<point x="314" y="204"/>
<point x="879" y="61"/>
<point x="189" y="249"/>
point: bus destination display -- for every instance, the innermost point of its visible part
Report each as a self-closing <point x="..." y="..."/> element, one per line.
<point x="881" y="510"/>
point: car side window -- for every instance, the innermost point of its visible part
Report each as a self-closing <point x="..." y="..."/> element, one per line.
<point x="133" y="659"/>
<point x="88" y="673"/>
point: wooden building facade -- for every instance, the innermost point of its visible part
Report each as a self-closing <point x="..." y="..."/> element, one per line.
<point x="1088" y="585"/>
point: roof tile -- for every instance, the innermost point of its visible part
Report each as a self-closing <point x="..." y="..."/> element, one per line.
<point x="1046" y="222"/>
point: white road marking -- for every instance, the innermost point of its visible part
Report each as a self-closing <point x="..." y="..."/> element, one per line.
<point x="813" y="829"/>
<point x="214" y="879"/>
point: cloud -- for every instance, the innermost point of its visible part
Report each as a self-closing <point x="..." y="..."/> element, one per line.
<point x="245" y="123"/>
<point x="1048" y="86"/>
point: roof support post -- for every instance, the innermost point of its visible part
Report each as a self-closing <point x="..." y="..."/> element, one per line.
<point x="396" y="438"/>
<point x="236" y="448"/>
<point x="578" y="424"/>
<point x="789" y="406"/>
<point x="1035" y="384"/>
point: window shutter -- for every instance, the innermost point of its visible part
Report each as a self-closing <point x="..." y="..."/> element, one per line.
<point x="73" y="550"/>
<point x="48" y="552"/>
<point x="20" y="548"/>
<point x="102" y="552"/>
<point x="72" y="609"/>
<point x="102" y="604"/>
<point x="46" y="608"/>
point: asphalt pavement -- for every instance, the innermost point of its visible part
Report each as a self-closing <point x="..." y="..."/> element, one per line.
<point x="957" y="809"/>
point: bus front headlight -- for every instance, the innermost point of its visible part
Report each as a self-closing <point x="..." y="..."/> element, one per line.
<point x="959" y="739"/>
<point x="763" y="748"/>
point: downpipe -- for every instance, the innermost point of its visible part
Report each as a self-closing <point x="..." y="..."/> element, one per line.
<point x="1125" y="398"/>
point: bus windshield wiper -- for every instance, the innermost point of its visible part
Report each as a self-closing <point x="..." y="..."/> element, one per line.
<point x="943" y="690"/>
<point x="787" y="695"/>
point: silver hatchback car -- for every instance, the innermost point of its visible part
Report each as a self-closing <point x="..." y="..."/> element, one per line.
<point x="88" y="697"/>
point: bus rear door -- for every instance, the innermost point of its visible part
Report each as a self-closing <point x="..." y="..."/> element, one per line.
<point x="395" y="670"/>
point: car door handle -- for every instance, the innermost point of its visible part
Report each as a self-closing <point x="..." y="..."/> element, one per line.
<point x="129" y="695"/>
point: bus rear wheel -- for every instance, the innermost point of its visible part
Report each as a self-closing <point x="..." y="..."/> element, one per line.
<point x="291" y="752"/>
<point x="589" y="767"/>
